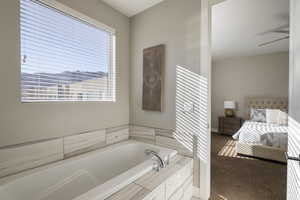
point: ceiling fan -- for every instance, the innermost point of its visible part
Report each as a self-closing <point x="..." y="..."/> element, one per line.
<point x="284" y="30"/>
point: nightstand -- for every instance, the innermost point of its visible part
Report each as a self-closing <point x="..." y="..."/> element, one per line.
<point x="229" y="125"/>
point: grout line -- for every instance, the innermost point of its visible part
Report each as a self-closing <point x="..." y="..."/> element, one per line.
<point x="29" y="143"/>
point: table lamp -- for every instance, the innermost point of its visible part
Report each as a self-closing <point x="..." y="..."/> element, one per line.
<point x="229" y="107"/>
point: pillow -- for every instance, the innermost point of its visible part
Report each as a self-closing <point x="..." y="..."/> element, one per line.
<point x="258" y="115"/>
<point x="283" y="118"/>
<point x="272" y="116"/>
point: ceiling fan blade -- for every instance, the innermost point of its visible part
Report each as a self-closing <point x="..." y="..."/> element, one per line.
<point x="275" y="29"/>
<point x="281" y="31"/>
<point x="273" y="41"/>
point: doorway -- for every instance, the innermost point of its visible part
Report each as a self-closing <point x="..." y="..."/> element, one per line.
<point x="250" y="57"/>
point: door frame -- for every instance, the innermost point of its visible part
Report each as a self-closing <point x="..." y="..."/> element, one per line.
<point x="207" y="55"/>
<point x="203" y="192"/>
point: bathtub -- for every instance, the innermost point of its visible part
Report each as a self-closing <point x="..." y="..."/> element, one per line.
<point x="92" y="176"/>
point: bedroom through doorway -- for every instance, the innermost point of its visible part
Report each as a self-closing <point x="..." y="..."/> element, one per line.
<point x="250" y="89"/>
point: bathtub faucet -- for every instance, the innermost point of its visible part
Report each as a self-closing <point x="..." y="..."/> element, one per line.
<point x="155" y="154"/>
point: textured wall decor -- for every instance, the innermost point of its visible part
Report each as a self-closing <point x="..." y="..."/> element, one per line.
<point x="153" y="77"/>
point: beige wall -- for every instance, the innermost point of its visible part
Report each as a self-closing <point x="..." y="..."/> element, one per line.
<point x="237" y="78"/>
<point x="176" y="24"/>
<point x="23" y="122"/>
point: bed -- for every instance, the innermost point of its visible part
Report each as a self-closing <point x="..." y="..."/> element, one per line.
<point x="259" y="139"/>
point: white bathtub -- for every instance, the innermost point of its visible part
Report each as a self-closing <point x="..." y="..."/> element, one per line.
<point x="92" y="176"/>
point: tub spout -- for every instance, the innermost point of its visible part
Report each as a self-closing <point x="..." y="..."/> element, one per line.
<point x="162" y="163"/>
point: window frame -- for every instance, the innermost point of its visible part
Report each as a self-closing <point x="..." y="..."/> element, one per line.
<point x="65" y="10"/>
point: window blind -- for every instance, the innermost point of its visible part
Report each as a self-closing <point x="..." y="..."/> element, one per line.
<point x="64" y="58"/>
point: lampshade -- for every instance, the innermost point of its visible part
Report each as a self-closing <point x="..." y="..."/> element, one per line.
<point x="229" y="104"/>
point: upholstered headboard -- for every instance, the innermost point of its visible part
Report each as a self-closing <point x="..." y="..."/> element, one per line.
<point x="280" y="103"/>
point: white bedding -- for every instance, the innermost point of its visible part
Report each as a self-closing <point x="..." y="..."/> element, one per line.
<point x="263" y="134"/>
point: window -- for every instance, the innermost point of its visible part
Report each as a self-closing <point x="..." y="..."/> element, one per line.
<point x="65" y="56"/>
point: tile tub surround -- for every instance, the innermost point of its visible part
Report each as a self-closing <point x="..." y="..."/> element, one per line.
<point x="170" y="183"/>
<point x="142" y="133"/>
<point x="117" y="134"/>
<point x="94" y="175"/>
<point x="161" y="137"/>
<point x="18" y="158"/>
<point x="169" y="139"/>
<point x="172" y="143"/>
<point x="77" y="144"/>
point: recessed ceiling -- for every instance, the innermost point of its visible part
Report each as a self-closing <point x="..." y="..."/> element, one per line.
<point x="238" y="27"/>
<point x="131" y="7"/>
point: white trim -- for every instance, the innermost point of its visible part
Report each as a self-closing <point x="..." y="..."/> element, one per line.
<point x="69" y="11"/>
<point x="113" y="67"/>
<point x="291" y="58"/>
<point x="205" y="70"/>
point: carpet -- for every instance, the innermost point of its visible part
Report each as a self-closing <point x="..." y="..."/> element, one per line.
<point x="241" y="178"/>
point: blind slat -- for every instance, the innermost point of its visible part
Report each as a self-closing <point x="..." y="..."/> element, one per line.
<point x="63" y="58"/>
<point x="62" y="45"/>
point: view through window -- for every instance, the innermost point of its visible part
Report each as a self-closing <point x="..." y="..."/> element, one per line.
<point x="64" y="58"/>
